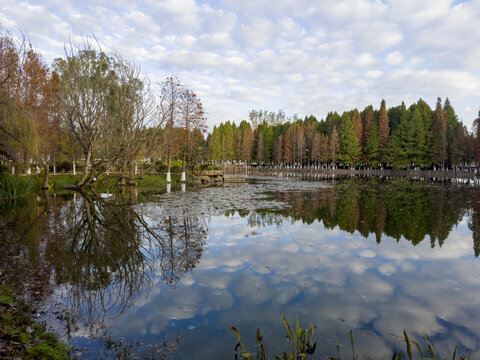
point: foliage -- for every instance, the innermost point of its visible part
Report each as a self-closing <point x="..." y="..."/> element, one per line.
<point x="13" y="186"/>
<point x="396" y="137"/>
<point x="349" y="146"/>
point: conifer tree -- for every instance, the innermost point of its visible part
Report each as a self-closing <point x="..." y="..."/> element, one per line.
<point x="247" y="143"/>
<point x="383" y="129"/>
<point x="367" y="118"/>
<point x="439" y="130"/>
<point x="333" y="145"/>
<point x="452" y="133"/>
<point x="349" y="151"/>
<point x="357" y="125"/>
<point x="287" y="146"/>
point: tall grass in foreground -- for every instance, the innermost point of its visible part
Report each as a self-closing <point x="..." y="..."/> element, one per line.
<point x="13" y="186"/>
<point x="303" y="345"/>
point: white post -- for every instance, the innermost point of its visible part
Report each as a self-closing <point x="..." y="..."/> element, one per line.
<point x="13" y="170"/>
<point x="74" y="170"/>
<point x="169" y="178"/>
<point x="169" y="188"/>
<point x="183" y="186"/>
<point x="184" y="177"/>
<point x="29" y="171"/>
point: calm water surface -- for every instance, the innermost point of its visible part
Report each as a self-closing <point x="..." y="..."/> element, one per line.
<point x="135" y="271"/>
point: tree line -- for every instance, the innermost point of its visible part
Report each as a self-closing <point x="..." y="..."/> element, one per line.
<point x="92" y="107"/>
<point x="397" y="137"/>
<point x="99" y="111"/>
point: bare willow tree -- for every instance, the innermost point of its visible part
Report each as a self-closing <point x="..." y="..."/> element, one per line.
<point x="170" y="99"/>
<point x="85" y="76"/>
<point x="132" y="108"/>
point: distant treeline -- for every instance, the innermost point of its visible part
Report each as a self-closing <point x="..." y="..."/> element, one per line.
<point x="397" y="137"/>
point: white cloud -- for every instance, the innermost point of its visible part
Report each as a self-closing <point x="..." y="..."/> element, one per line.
<point x="394" y="58"/>
<point x="311" y="57"/>
<point x="373" y="74"/>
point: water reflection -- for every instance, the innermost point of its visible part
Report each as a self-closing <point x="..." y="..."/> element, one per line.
<point x="375" y="257"/>
<point x="398" y="209"/>
<point x="100" y="252"/>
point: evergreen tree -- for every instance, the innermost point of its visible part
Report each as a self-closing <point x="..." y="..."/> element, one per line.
<point x="357" y="125"/>
<point x="476" y="128"/>
<point x="383" y="129"/>
<point x="215" y="145"/>
<point x="227" y="141"/>
<point x="452" y="133"/>
<point x="417" y="135"/>
<point x="349" y="151"/>
<point x="268" y="144"/>
<point x="439" y="135"/>
<point x="247" y="141"/>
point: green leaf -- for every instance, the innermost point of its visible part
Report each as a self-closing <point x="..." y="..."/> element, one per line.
<point x="409" y="347"/>
<point x="431" y="347"/>
<point x="418" y="348"/>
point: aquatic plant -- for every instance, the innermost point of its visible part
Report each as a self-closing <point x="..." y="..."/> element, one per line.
<point x="303" y="345"/>
<point x="301" y="339"/>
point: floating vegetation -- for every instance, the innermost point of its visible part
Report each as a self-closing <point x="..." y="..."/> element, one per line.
<point x="218" y="201"/>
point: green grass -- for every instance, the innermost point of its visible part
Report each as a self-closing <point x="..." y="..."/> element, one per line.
<point x="13" y="186"/>
<point x="58" y="182"/>
<point x="21" y="336"/>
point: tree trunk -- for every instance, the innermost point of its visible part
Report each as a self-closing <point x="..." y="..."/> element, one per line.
<point x="84" y="177"/>
<point x="169" y="179"/>
<point x="131" y="181"/>
<point x="45" y="177"/>
<point x="47" y="200"/>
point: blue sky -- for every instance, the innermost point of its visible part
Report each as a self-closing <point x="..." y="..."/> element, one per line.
<point x="305" y="57"/>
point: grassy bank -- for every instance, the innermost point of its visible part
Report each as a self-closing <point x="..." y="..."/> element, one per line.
<point x="22" y="337"/>
<point x="58" y="182"/>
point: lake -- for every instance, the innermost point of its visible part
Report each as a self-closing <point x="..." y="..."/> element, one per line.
<point x="165" y="275"/>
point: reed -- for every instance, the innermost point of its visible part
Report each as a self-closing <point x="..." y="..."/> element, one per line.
<point x="303" y="345"/>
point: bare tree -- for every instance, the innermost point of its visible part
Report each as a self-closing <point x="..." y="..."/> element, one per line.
<point x="85" y="75"/>
<point x="169" y="108"/>
<point x="192" y="117"/>
<point x="131" y="107"/>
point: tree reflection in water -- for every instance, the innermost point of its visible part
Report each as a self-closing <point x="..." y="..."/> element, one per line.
<point x="105" y="253"/>
<point x="398" y="209"/>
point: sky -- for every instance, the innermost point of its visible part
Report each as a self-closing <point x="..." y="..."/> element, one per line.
<point x="304" y="57"/>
